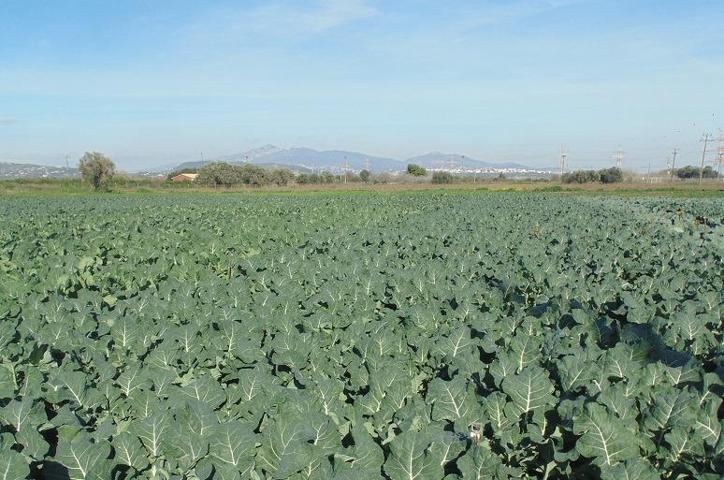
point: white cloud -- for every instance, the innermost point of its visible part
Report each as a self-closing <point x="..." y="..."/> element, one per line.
<point x="491" y="13"/>
<point x="283" y="18"/>
<point x="321" y="16"/>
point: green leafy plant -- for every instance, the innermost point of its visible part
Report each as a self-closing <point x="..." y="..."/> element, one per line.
<point x="428" y="335"/>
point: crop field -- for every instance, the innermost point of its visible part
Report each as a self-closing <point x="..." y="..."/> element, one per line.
<point x="411" y="335"/>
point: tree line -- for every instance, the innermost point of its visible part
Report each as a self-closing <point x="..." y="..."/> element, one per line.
<point x="98" y="170"/>
<point x="606" y="175"/>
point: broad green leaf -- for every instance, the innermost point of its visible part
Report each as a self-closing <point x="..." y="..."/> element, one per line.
<point x="635" y="469"/>
<point x="185" y="446"/>
<point x="574" y="372"/>
<point x="452" y="400"/>
<point x="152" y="431"/>
<point x="34" y="445"/>
<point x="604" y="437"/>
<point x="503" y="366"/>
<point x="530" y="389"/>
<point x="707" y="425"/>
<point x="683" y="442"/>
<point x="285" y="447"/>
<point x="615" y="398"/>
<point x="525" y="349"/>
<point x="670" y="407"/>
<point x="410" y="458"/>
<point x="232" y="446"/>
<point x="480" y="463"/>
<point x="22" y="414"/>
<point x="130" y="451"/>
<point x="13" y="465"/>
<point x="501" y="413"/>
<point x="364" y="459"/>
<point x="83" y="458"/>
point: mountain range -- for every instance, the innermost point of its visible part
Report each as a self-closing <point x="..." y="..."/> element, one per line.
<point x="310" y="159"/>
<point x="298" y="159"/>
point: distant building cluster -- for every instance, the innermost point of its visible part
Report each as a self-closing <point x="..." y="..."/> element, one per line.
<point x="19" y="170"/>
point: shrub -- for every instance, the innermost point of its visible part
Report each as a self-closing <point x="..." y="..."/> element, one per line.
<point x="611" y="175"/>
<point x="253" y="175"/>
<point x="581" y="176"/>
<point x="607" y="175"/>
<point x="416" y="170"/>
<point x="442" y="177"/>
<point x="688" y="172"/>
<point x="219" y="174"/>
<point x="281" y="177"/>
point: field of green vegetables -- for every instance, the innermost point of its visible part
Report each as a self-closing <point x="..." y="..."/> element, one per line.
<point x="419" y="336"/>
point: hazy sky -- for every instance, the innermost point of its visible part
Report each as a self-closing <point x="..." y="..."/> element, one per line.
<point x="156" y="82"/>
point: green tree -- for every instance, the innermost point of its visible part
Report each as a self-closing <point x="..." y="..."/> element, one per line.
<point x="442" y="177"/>
<point x="364" y="175"/>
<point x="611" y="175"/>
<point x="280" y="177"/>
<point x="253" y="175"/>
<point x="97" y="169"/>
<point x="219" y="174"/>
<point x="693" y="172"/>
<point x="327" y="177"/>
<point x="581" y="176"/>
<point x="416" y="170"/>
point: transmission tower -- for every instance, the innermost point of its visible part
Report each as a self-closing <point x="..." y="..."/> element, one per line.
<point x="619" y="158"/>
<point x="706" y="139"/>
<point x="720" y="155"/>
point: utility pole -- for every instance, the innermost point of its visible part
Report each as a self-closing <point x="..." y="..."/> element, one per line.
<point x="706" y="139"/>
<point x="564" y="159"/>
<point x="673" y="162"/>
<point x="648" y="173"/>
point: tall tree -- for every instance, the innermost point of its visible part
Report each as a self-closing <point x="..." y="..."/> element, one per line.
<point x="97" y="169"/>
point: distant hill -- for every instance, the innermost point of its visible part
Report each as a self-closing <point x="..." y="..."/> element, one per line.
<point x="304" y="159"/>
<point x="313" y="159"/>
<point x="446" y="160"/>
<point x="9" y="170"/>
<point x="308" y="159"/>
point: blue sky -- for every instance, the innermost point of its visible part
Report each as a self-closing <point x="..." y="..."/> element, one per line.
<point x="156" y="82"/>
